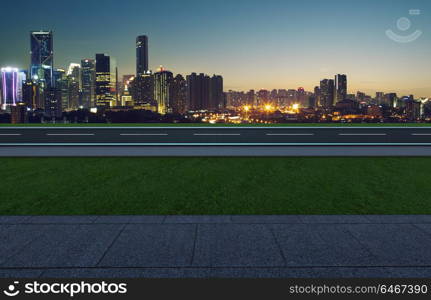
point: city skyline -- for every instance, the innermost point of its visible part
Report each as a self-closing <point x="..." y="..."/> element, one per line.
<point x="254" y="53"/>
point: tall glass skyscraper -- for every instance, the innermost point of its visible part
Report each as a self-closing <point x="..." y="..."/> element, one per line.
<point x="162" y="91"/>
<point x="327" y="93"/>
<point x="341" y="87"/>
<point x="142" y="55"/>
<point x="42" y="58"/>
<point x="103" y="80"/>
<point x="11" y="85"/>
<point x="88" y="78"/>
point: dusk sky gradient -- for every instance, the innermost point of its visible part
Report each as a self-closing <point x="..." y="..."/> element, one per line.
<point x="253" y="44"/>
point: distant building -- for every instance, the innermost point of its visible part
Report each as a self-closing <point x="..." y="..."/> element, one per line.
<point x="88" y="80"/>
<point x="216" y="97"/>
<point x="19" y="114"/>
<point x="104" y="96"/>
<point x="198" y="87"/>
<point x="31" y="95"/>
<point x="340" y="87"/>
<point x="42" y="58"/>
<point x="179" y="95"/>
<point x="142" y="55"/>
<point x="141" y="89"/>
<point x="327" y="93"/>
<point x="413" y="110"/>
<point x="317" y="96"/>
<point x="391" y="99"/>
<point x="162" y="90"/>
<point x="12" y="81"/>
<point x="53" y="108"/>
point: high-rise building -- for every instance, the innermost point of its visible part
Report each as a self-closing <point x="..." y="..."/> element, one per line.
<point x="142" y="90"/>
<point x="62" y="84"/>
<point x="74" y="86"/>
<point x="341" y="87"/>
<point x="198" y="87"/>
<point x="31" y="95"/>
<point x="88" y="80"/>
<point x="12" y="81"/>
<point x="216" y="97"/>
<point x="162" y="90"/>
<point x="179" y="95"/>
<point x="142" y="55"/>
<point x="317" y="95"/>
<point x="53" y="103"/>
<point x="103" y="85"/>
<point x="327" y="91"/>
<point x="42" y="58"/>
<point x="391" y="99"/>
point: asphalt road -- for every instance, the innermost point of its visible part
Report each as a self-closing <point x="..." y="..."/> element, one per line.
<point x="215" y="136"/>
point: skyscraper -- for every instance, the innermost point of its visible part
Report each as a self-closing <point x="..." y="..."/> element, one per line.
<point x="327" y="93"/>
<point x="42" y="58"/>
<point x="216" y="99"/>
<point x="198" y="87"/>
<point x="142" y="90"/>
<point x="162" y="90"/>
<point x="11" y="82"/>
<point x="340" y="87"/>
<point x="179" y="94"/>
<point x="103" y="81"/>
<point x="88" y="79"/>
<point x="141" y="55"/>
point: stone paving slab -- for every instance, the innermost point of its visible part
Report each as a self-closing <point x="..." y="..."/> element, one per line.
<point x="400" y="219"/>
<point x="61" y="220"/>
<point x="65" y="246"/>
<point x="266" y="219"/>
<point x="198" y="219"/>
<point x="394" y="244"/>
<point x="311" y="272"/>
<point x="334" y="219"/>
<point x="215" y="246"/>
<point x="322" y="245"/>
<point x="236" y="245"/>
<point x="130" y="220"/>
<point x="152" y="246"/>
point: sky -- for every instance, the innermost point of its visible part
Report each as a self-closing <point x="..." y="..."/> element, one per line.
<point x="254" y="44"/>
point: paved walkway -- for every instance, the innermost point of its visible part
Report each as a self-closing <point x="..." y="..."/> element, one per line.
<point x="215" y="246"/>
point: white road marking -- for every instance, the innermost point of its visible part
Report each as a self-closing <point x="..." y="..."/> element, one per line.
<point x="10" y="134"/>
<point x="144" y="134"/>
<point x="421" y="134"/>
<point x="362" y="134"/>
<point x="290" y="134"/>
<point x="70" y="134"/>
<point x="216" y="134"/>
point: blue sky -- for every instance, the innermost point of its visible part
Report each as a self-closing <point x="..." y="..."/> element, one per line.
<point x="253" y="44"/>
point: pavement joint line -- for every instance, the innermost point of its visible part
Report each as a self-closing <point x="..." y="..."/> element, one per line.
<point x="195" y="241"/>
<point x="280" y="249"/>
<point x="112" y="244"/>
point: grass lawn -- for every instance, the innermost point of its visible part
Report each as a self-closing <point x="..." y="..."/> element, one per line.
<point x="221" y="125"/>
<point x="128" y="186"/>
